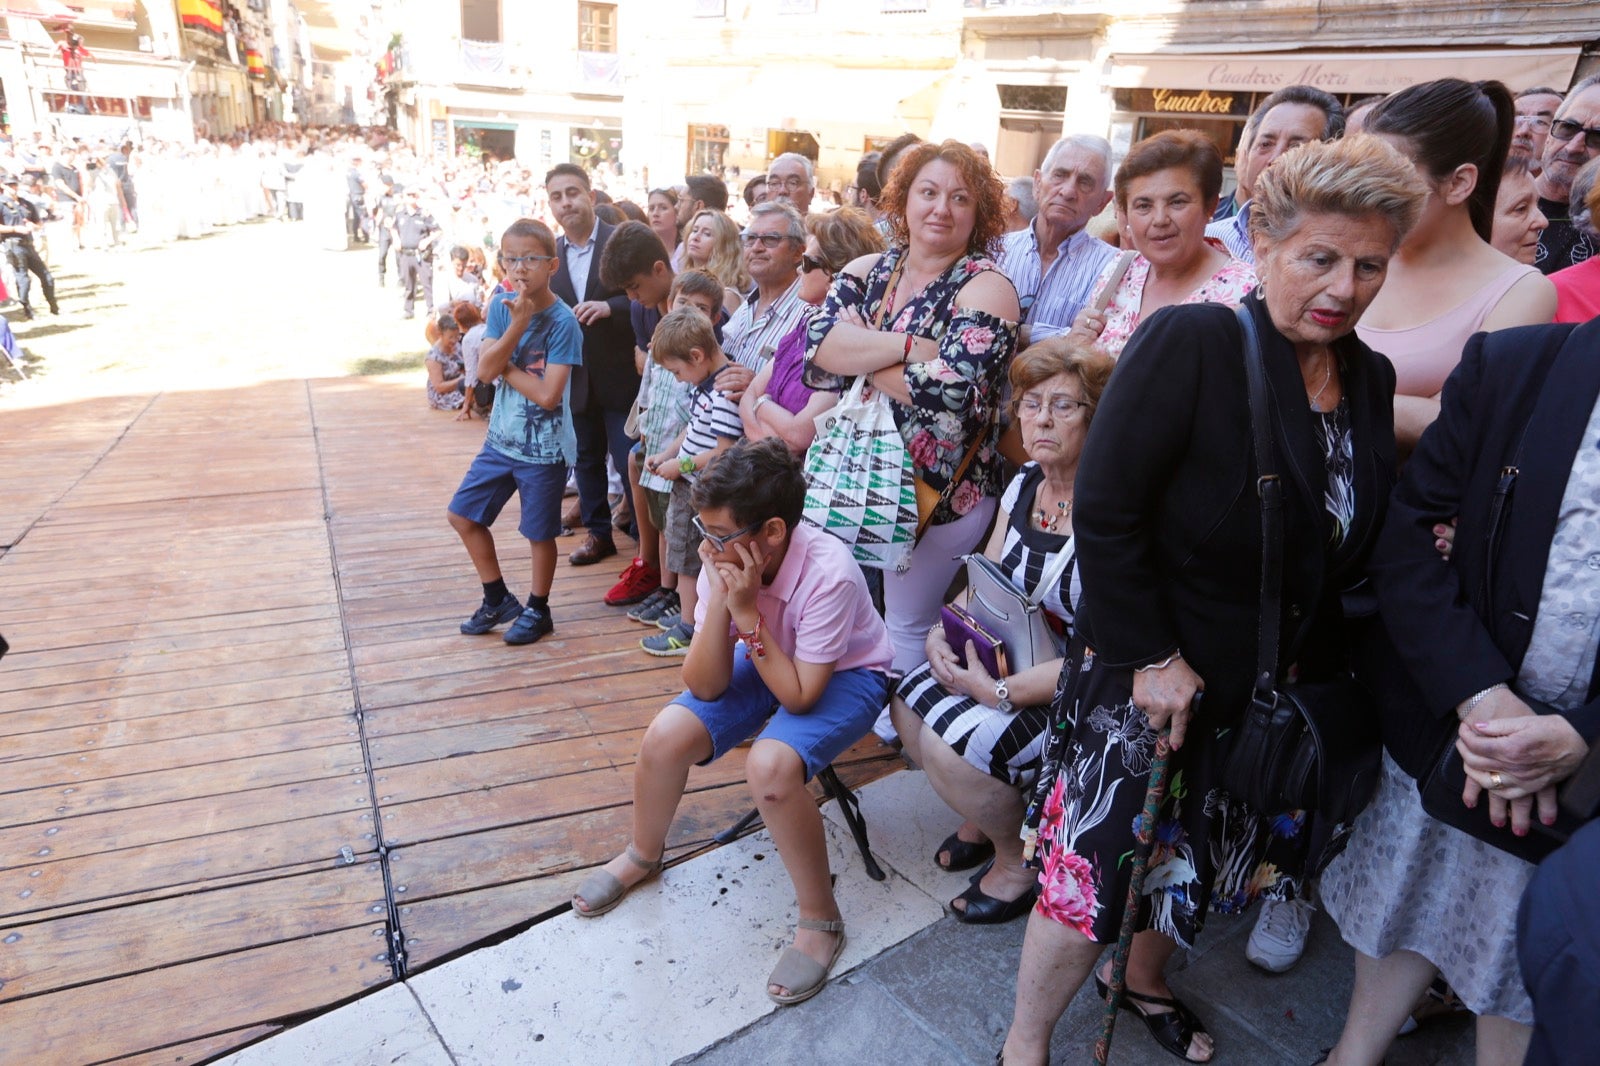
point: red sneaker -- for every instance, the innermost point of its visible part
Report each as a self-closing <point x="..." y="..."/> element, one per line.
<point x="639" y="580"/>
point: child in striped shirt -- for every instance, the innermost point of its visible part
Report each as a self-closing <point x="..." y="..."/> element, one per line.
<point x="685" y="346"/>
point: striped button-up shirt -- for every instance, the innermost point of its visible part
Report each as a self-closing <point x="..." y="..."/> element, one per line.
<point x="1051" y="302"/>
<point x="749" y="338"/>
<point x="1234" y="233"/>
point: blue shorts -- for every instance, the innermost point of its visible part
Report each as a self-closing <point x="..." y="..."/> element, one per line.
<point x="845" y="713"/>
<point x="493" y="477"/>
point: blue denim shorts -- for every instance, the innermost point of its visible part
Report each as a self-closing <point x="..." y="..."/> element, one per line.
<point x="493" y="477"/>
<point x="845" y="713"/>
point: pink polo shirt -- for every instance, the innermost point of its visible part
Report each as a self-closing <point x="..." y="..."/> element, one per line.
<point x="817" y="608"/>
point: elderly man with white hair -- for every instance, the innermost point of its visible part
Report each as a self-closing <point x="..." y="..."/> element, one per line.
<point x="1054" y="262"/>
<point x="792" y="179"/>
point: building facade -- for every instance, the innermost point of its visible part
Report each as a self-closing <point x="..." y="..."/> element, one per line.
<point x="537" y="81"/>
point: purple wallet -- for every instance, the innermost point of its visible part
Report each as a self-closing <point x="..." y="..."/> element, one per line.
<point x="960" y="627"/>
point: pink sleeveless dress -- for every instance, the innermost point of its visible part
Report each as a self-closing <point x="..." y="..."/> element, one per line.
<point x="1424" y="355"/>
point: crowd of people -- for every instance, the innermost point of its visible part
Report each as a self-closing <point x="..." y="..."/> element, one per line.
<point x="1335" y="376"/>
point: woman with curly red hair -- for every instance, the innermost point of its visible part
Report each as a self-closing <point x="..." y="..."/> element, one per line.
<point x="934" y="325"/>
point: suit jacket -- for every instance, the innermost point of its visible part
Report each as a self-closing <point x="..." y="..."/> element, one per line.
<point x="607" y="380"/>
<point x="1529" y="390"/>
<point x="1167" y="520"/>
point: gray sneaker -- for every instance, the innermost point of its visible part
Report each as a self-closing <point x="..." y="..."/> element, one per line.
<point x="667" y="603"/>
<point x="649" y="603"/>
<point x="673" y="643"/>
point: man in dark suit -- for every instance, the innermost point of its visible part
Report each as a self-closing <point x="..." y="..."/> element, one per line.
<point x="605" y="386"/>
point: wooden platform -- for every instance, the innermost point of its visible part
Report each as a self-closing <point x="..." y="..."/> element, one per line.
<point x="249" y="769"/>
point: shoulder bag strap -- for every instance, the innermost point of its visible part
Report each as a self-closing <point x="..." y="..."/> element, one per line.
<point x="1052" y="575"/>
<point x="1270" y="490"/>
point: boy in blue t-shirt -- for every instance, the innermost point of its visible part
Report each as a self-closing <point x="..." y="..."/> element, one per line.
<point x="531" y="341"/>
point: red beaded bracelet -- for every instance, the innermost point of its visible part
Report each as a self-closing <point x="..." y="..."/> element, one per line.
<point x="752" y="639"/>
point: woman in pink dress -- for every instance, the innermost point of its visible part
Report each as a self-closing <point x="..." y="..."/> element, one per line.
<point x="1578" y="287"/>
<point x="1165" y="192"/>
<point x="1447" y="282"/>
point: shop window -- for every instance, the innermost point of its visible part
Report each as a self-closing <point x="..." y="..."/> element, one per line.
<point x="1033" y="97"/>
<point x="480" y="20"/>
<point x="797" y="141"/>
<point x="597" y="27"/>
<point x="708" y="150"/>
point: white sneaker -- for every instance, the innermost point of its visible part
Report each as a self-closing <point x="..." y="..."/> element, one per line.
<point x="1279" y="938"/>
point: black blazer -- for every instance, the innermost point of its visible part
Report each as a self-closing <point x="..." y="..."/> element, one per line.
<point x="1535" y="380"/>
<point x="1167" y="519"/>
<point x="607" y="379"/>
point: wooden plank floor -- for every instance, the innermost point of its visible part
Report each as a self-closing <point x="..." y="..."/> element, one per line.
<point x="249" y="769"/>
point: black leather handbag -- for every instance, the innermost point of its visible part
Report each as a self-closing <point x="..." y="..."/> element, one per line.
<point x="1312" y="747"/>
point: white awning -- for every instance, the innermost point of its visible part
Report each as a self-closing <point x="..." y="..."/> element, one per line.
<point x="1365" y="71"/>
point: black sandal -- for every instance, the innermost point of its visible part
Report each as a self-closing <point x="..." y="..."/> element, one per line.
<point x="983" y="909"/>
<point x="964" y="854"/>
<point x="1174" y="1028"/>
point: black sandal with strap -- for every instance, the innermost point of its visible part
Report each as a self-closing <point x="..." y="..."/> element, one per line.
<point x="1174" y="1028"/>
<point x="964" y="854"/>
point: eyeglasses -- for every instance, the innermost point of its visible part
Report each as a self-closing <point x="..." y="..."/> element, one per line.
<point x="767" y="240"/>
<point x="808" y="264"/>
<point x="792" y="182"/>
<point x="1059" y="406"/>
<point x="1565" y="129"/>
<point x="721" y="543"/>
<point x="530" y="260"/>
<point x="1538" y="122"/>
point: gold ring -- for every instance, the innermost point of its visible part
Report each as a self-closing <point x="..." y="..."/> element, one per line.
<point x="1495" y="780"/>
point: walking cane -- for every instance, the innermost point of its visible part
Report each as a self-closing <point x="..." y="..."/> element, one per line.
<point x="1144" y="841"/>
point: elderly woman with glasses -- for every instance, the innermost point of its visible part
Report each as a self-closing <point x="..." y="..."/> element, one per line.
<point x="778" y="403"/>
<point x="978" y="737"/>
<point x="933" y="322"/>
<point x="1169" y="539"/>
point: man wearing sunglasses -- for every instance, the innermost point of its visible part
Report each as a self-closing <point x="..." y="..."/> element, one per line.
<point x="1574" y="140"/>
<point x="774" y="241"/>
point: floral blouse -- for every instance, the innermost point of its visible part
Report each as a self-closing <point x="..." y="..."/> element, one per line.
<point x="1227" y="286"/>
<point x="953" y="396"/>
<point x="454" y="367"/>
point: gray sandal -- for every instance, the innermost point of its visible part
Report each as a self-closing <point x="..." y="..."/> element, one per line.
<point x="601" y="892"/>
<point x="802" y="975"/>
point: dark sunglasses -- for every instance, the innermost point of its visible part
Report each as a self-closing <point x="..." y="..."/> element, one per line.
<point x="1565" y="129"/>
<point x="808" y="264"/>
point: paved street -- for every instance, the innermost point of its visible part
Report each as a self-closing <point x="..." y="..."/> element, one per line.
<point x="242" y="305"/>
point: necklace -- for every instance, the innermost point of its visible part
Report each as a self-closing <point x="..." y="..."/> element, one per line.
<point x="1048" y="522"/>
<point x="1327" y="376"/>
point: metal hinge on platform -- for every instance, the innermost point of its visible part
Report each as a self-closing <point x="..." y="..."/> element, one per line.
<point x="347" y="856"/>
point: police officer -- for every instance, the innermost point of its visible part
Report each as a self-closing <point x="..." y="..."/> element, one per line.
<point x="415" y="232"/>
<point x="19" y="219"/>
<point x="383" y="216"/>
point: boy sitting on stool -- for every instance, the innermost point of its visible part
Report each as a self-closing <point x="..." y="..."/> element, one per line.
<point x="787" y="645"/>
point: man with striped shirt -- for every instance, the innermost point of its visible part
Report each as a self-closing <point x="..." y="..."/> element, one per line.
<point x="774" y="241"/>
<point x="1054" y="262"/>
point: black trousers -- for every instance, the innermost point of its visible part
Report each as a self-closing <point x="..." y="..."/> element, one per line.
<point x="599" y="433"/>
<point x="1558" y="946"/>
<point x="414" y="271"/>
<point x="355" y="217"/>
<point x="24" y="257"/>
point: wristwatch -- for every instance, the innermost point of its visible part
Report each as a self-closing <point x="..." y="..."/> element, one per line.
<point x="1003" y="694"/>
<point x="685" y="465"/>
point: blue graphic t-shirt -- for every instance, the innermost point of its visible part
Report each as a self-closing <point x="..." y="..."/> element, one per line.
<point x="518" y="427"/>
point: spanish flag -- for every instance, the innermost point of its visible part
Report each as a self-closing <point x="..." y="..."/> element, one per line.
<point x="254" y="64"/>
<point x="204" y="15"/>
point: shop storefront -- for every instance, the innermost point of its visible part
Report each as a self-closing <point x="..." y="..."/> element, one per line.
<point x="1215" y="94"/>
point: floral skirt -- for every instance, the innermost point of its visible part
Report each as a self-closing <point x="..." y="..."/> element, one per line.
<point x="1209" y="850"/>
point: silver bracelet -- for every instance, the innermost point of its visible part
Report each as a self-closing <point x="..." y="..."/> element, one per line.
<point x="1162" y="665"/>
<point x="1477" y="698"/>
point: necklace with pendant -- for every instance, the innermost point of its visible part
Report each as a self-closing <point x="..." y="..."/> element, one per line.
<point x="1327" y="376"/>
<point x="1048" y="522"/>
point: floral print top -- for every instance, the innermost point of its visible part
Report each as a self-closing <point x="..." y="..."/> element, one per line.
<point x="1228" y="286"/>
<point x="453" y="366"/>
<point x="954" y="396"/>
